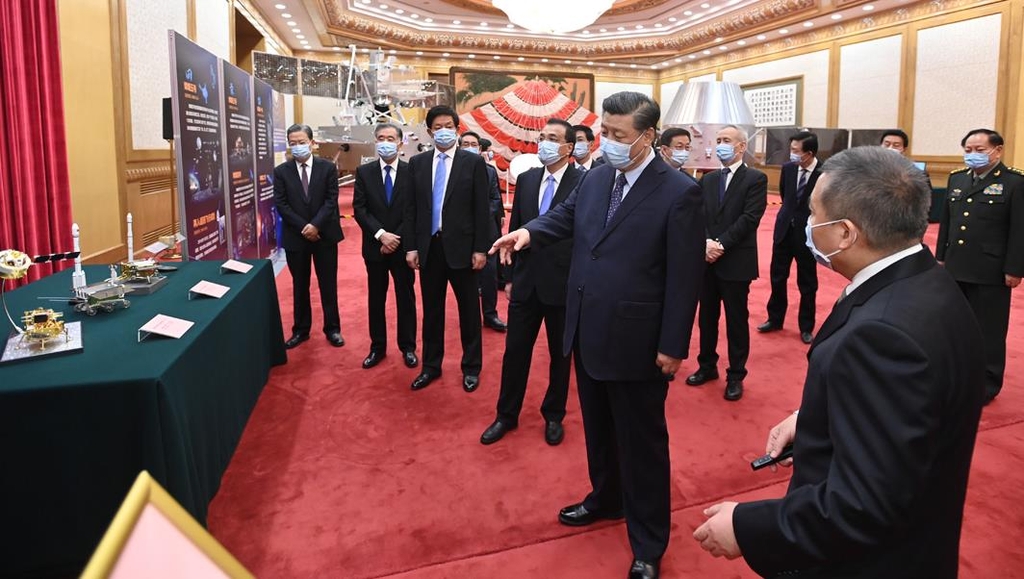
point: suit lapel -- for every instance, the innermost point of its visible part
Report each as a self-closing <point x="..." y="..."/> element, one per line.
<point x="293" y="173"/>
<point x="453" y="170"/>
<point x="530" y="208"/>
<point x="565" y="186"/>
<point x="909" y="266"/>
<point x="651" y="178"/>
<point x="734" y="185"/>
<point x="377" y="182"/>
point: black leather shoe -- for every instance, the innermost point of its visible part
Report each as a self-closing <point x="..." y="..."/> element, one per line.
<point x="470" y="382"/>
<point x="295" y="340"/>
<point x="495" y="432"/>
<point x="372" y="359"/>
<point x="495" y="323"/>
<point x="644" y="569"/>
<point x="423" y="380"/>
<point x="701" y="376"/>
<point x="733" y="390"/>
<point x="553" y="433"/>
<point x="769" y="326"/>
<point x="335" y="339"/>
<point x="806" y="337"/>
<point x="580" y="516"/>
<point x="410" y="359"/>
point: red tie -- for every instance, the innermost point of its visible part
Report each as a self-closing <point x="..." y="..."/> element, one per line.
<point x="305" y="182"/>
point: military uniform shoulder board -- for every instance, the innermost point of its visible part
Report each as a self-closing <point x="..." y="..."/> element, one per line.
<point x="960" y="170"/>
<point x="1015" y="170"/>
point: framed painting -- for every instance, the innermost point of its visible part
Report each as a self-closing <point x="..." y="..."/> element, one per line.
<point x="477" y="87"/>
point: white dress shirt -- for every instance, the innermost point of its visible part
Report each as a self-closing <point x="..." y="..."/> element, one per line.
<point x="732" y="170"/>
<point x="873" y="269"/>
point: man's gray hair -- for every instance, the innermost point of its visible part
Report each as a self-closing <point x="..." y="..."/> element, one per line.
<point x="382" y="126"/>
<point x="883" y="193"/>
<point x="743" y="134"/>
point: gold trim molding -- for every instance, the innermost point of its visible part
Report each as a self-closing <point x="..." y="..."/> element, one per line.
<point x="143" y="173"/>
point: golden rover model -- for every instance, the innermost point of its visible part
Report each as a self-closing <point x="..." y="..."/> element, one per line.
<point x="42" y="325"/>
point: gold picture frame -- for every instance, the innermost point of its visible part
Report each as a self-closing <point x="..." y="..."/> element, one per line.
<point x="477" y="87"/>
<point x="776" y="103"/>
<point x="145" y="493"/>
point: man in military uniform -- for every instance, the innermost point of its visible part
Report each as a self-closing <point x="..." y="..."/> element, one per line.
<point x="981" y="241"/>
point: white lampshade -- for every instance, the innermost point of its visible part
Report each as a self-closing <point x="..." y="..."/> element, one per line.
<point x="553" y="16"/>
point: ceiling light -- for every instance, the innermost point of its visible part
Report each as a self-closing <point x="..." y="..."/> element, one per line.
<point x="549" y="17"/>
<point x="383" y="6"/>
<point x="632" y="66"/>
<point x="292" y="23"/>
<point x="639" y="27"/>
<point x="612" y="64"/>
<point x="520" y="59"/>
<point x="692" y="56"/>
<point x="714" y="9"/>
<point x="483" y="24"/>
<point x="679" y="59"/>
<point x="283" y="15"/>
<point x="419" y="53"/>
<point x="673" y="19"/>
<point x="456" y="22"/>
<point x="705" y="5"/>
<point x="658" y="25"/>
<point x="399" y="11"/>
<point x="719" y="39"/>
<point x="446" y="54"/>
<point x="513" y="26"/>
<point x="688" y="13"/>
<point x="603" y="30"/>
<point x="392" y="51"/>
<point x="654" y="67"/>
<point x="496" y="57"/>
<point x="414" y="16"/>
<point x="741" y="42"/>
<point x="299" y="36"/>
<point x="337" y="48"/>
<point x="365" y="50"/>
<point x="543" y="60"/>
<point x="836" y="16"/>
<point x="568" y="62"/>
<point x="723" y="47"/>
<point x="707" y="52"/>
<point x="590" y="63"/>
<point x="620" y="28"/>
<point x="304" y="42"/>
<point x="428" y="20"/>
<point x="296" y="30"/>
<point x="784" y="31"/>
<point x="470" y="56"/>
<point x="761" y="37"/>
<point x="867" y="7"/>
<point x="808" y="24"/>
<point x="366" y="1"/>
<point x="280" y="6"/>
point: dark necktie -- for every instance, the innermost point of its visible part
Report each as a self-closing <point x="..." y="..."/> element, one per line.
<point x="305" y="182"/>
<point x="549" y="194"/>
<point x="616" y="200"/>
<point x="801" y="184"/>
<point x="721" y="185"/>
<point x="389" y="185"/>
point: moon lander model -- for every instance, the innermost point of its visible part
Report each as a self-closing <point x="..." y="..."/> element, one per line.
<point x="42" y="326"/>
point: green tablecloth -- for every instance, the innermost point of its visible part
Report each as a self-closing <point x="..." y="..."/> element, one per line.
<point x="76" y="429"/>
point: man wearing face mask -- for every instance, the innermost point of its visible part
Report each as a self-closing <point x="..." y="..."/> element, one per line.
<point x="788" y="243"/>
<point x="735" y="198"/>
<point x="583" y="149"/>
<point x="538" y="290"/>
<point x="487" y="280"/>
<point x="383" y="189"/>
<point x="883" y="440"/>
<point x="637" y="260"/>
<point x="675" y="148"/>
<point x="981" y="241"/>
<point x="306" y="197"/>
<point x="447" y="236"/>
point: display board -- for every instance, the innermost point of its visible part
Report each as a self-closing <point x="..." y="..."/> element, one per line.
<point x="263" y="131"/>
<point x="239" y="161"/>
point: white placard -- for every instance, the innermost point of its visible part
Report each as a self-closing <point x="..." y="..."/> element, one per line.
<point x="162" y="325"/>
<point x="156" y="247"/>
<point x="208" y="288"/>
<point x="235" y="266"/>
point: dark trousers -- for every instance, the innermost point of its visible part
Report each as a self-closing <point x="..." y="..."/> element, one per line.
<point x="324" y="256"/>
<point x="627" y="456"/>
<point x="733" y="295"/>
<point x="435" y="276"/>
<point x="378" y="276"/>
<point x="524" y="319"/>
<point x="792" y="247"/>
<point x="991" y="306"/>
<point x="488" y="283"/>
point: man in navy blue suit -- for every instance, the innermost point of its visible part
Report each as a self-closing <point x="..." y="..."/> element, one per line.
<point x="637" y="264"/>
<point x="789" y="242"/>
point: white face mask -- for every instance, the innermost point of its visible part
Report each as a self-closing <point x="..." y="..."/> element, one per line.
<point x="680" y="157"/>
<point x="617" y="153"/>
<point x="822" y="258"/>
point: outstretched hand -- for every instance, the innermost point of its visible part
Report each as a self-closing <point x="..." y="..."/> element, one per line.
<point x="510" y="243"/>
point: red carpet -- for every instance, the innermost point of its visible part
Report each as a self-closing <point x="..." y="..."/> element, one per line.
<point x="344" y="472"/>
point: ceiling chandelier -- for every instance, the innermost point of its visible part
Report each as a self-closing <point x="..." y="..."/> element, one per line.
<point x="553" y="16"/>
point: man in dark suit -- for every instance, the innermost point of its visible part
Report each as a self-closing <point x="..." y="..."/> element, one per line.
<point x="883" y="441"/>
<point x="306" y="197"/>
<point x="981" y="241"/>
<point x="539" y="279"/>
<point x="789" y="242"/>
<point x="735" y="198"/>
<point x="448" y="232"/>
<point x="674" y="146"/>
<point x="487" y="280"/>
<point x="383" y="189"/>
<point x="583" y="150"/>
<point x="637" y="260"/>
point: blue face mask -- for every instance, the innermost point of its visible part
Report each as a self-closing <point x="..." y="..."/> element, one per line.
<point x="976" y="160"/>
<point x="680" y="157"/>
<point x="616" y="153"/>
<point x="445" y="138"/>
<point x="822" y="258"/>
<point x="548" y="152"/>
<point x="387" y="150"/>
<point x="725" y="152"/>
<point x="581" y="149"/>
<point x="301" y="151"/>
<point x="474" y="150"/>
<point x="795" y="157"/>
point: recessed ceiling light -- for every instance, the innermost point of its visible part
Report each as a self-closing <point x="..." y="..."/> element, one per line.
<point x="337" y="48"/>
<point x="543" y="60"/>
<point x="586" y="32"/>
<point x="399" y="11"/>
<point x="419" y="53"/>
<point x="723" y="47"/>
<point x="446" y="54"/>
<point x="692" y="56"/>
<point x="414" y="16"/>
<point x="470" y="56"/>
<point x="836" y="16"/>
<point x="654" y="66"/>
<point x="365" y="50"/>
<point x="510" y="26"/>
<point x="688" y="13"/>
<point x="621" y="28"/>
<point x="292" y="23"/>
<point x="784" y="31"/>
<point x="283" y="15"/>
<point x="520" y="59"/>
<point x="867" y="7"/>
<point x="679" y="59"/>
<point x="428" y="20"/>
<point x="719" y="39"/>
<point x="366" y="1"/>
<point x="496" y="57"/>
<point x="658" y="25"/>
<point x="590" y="63"/>
<point x="456" y="22"/>
<point x="383" y="6"/>
<point x="707" y="52"/>
<point x="639" y="26"/>
<point x="568" y="62"/>
<point x="603" y="30"/>
<point x="612" y="64"/>
<point x="632" y="66"/>
<point x="761" y="37"/>
<point x="304" y="42"/>
<point x="296" y="30"/>
<point x="705" y="5"/>
<point x="280" y="6"/>
<point x="673" y="19"/>
<point x="714" y="9"/>
<point x="483" y="24"/>
<point x="392" y="51"/>
<point x="808" y="24"/>
<point x="299" y="36"/>
<point x="741" y="42"/>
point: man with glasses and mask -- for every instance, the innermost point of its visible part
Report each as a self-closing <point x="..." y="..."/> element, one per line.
<point x="883" y="440"/>
<point x="539" y="278"/>
<point x="448" y="230"/>
<point x="637" y="260"/>
<point x="735" y="198"/>
<point x="981" y="241"/>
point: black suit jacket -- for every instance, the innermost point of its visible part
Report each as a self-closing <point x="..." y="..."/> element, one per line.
<point x="372" y="212"/>
<point x="466" y="223"/>
<point x="981" y="228"/>
<point x="544" y="269"/>
<point x="633" y="284"/>
<point x="884" y="438"/>
<point x="494" y="196"/>
<point x="296" y="212"/>
<point x="794" y="212"/>
<point x="734" y="222"/>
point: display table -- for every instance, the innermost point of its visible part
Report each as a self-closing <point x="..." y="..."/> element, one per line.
<point x="76" y="429"/>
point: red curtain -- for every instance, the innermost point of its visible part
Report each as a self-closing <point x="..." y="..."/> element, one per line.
<point x="35" y="198"/>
